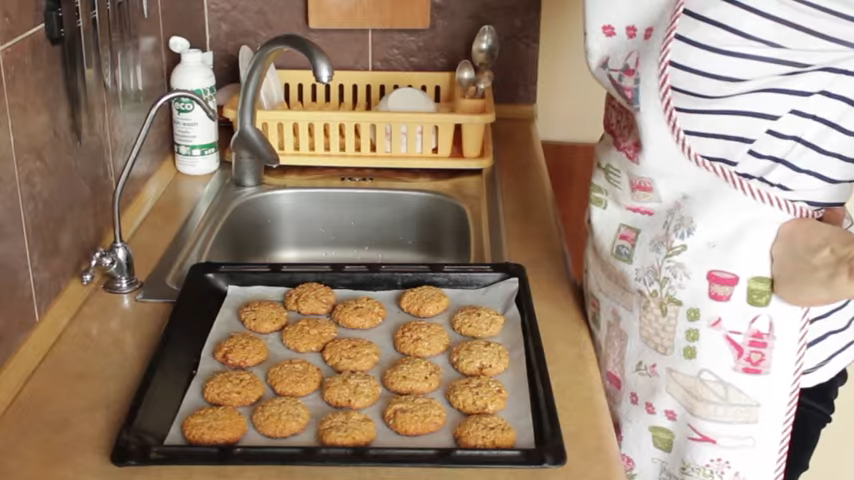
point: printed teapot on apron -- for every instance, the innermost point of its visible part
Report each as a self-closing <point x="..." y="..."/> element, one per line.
<point x="700" y="361"/>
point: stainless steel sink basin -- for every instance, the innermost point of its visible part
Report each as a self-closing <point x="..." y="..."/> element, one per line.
<point x="340" y="221"/>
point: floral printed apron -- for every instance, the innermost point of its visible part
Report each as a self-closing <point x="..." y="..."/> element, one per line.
<point x="700" y="361"/>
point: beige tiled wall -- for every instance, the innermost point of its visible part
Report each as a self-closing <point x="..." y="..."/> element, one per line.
<point x="55" y="190"/>
<point x="569" y="100"/>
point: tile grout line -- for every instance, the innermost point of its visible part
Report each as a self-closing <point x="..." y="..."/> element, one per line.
<point x="105" y="96"/>
<point x="163" y="43"/>
<point x="21" y="36"/>
<point x="111" y="171"/>
<point x="207" y="29"/>
<point x="18" y="186"/>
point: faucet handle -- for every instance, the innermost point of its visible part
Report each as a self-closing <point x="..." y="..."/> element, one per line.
<point x="103" y="259"/>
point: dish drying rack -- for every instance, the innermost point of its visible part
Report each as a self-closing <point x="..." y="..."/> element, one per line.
<point x="338" y="125"/>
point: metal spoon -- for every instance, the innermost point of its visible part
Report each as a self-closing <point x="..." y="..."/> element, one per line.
<point x="483" y="82"/>
<point x="484" y="50"/>
<point x="465" y="77"/>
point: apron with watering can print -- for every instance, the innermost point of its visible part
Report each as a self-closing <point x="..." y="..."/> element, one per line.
<point x="700" y="361"/>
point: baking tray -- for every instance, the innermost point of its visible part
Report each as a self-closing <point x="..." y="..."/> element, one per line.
<point x="171" y="369"/>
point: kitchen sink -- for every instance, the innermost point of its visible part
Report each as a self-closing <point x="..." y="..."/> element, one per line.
<point x="341" y="225"/>
<point x="329" y="219"/>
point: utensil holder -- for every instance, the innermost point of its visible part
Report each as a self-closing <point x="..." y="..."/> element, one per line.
<point x="472" y="133"/>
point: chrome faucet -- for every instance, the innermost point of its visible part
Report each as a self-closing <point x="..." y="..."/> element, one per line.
<point x="250" y="148"/>
<point x="117" y="260"/>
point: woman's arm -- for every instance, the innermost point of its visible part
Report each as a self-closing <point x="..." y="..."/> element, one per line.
<point x="813" y="261"/>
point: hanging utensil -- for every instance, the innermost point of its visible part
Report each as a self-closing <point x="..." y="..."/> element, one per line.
<point x="61" y="29"/>
<point x="465" y="77"/>
<point x="484" y="49"/>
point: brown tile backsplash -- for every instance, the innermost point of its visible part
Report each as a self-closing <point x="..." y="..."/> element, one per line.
<point x="252" y="22"/>
<point x="127" y="110"/>
<point x="18" y="16"/>
<point x="185" y="18"/>
<point x="454" y="24"/>
<point x="448" y="40"/>
<point x="16" y="294"/>
<point x="65" y="185"/>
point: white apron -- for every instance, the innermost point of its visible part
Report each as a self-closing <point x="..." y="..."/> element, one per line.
<point x="701" y="363"/>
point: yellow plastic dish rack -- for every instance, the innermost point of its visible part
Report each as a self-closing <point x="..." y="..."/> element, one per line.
<point x="354" y="134"/>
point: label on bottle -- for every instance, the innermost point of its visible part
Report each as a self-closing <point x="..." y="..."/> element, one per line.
<point x="195" y="135"/>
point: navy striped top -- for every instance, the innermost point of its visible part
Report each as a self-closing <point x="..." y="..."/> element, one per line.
<point x="766" y="87"/>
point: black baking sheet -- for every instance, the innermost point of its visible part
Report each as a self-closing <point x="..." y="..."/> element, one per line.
<point x="140" y="441"/>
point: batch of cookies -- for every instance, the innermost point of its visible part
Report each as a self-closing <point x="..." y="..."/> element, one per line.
<point x="411" y="378"/>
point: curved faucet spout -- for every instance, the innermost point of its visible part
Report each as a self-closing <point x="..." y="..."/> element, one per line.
<point x="117" y="260"/>
<point x="137" y="147"/>
<point x="250" y="148"/>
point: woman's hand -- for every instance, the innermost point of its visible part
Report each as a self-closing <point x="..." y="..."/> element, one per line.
<point x="812" y="262"/>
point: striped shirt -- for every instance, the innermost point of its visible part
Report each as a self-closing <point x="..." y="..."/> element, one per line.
<point x="766" y="88"/>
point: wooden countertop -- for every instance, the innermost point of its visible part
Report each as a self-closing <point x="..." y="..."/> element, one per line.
<point x="64" y="421"/>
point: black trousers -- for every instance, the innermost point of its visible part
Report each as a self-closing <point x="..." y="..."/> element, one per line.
<point x="815" y="408"/>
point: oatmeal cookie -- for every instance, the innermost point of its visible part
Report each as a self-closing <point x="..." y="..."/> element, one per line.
<point x="477" y="322"/>
<point x="234" y="388"/>
<point x="214" y="426"/>
<point x="412" y="375"/>
<point x="351" y="354"/>
<point x="360" y="313"/>
<point x="309" y="334"/>
<point x="354" y="390"/>
<point x="346" y="429"/>
<point x="480" y="357"/>
<point x="482" y="394"/>
<point x="413" y="415"/>
<point x="280" y="417"/>
<point x="241" y="350"/>
<point x="421" y="339"/>
<point x="485" y="431"/>
<point x="424" y="302"/>
<point x="294" y="378"/>
<point x="263" y="316"/>
<point x="310" y="299"/>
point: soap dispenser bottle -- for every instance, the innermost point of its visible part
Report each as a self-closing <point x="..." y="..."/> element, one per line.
<point x="195" y="135"/>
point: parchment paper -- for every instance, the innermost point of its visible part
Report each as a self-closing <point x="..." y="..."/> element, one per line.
<point x="500" y="296"/>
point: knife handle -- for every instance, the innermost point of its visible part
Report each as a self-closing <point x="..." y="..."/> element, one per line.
<point x="53" y="22"/>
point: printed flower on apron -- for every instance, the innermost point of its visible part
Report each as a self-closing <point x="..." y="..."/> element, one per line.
<point x="629" y="467"/>
<point x="663" y="280"/>
<point x="645" y="370"/>
<point x="714" y="469"/>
